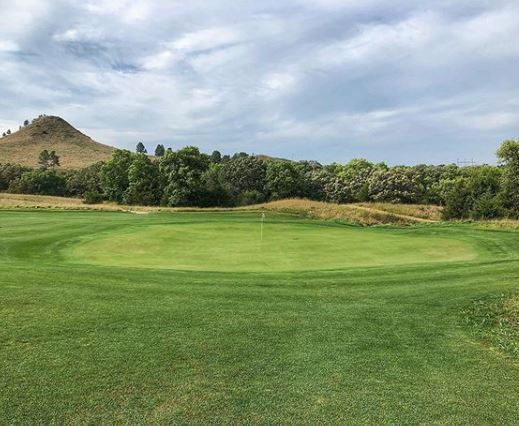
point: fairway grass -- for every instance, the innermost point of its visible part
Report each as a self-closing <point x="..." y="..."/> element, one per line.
<point x="189" y="318"/>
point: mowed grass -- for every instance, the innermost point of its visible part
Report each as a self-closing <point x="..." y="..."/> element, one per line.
<point x="226" y="244"/>
<point x="379" y="343"/>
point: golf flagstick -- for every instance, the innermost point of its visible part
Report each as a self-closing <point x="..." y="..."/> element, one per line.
<point x="262" y="219"/>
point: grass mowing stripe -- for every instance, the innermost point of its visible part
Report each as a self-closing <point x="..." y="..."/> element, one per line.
<point x="373" y="345"/>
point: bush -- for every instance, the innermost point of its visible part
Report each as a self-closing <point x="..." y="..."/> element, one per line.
<point x="250" y="197"/>
<point x="92" y="197"/>
<point x="80" y="182"/>
<point x="9" y="173"/>
<point x="39" y="182"/>
<point x="457" y="199"/>
<point x="487" y="206"/>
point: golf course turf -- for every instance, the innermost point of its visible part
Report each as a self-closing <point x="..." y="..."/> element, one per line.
<point x="191" y="318"/>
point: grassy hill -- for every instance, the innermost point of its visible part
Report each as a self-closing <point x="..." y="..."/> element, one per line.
<point x="76" y="150"/>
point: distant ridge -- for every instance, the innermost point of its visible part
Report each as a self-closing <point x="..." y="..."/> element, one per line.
<point x="75" y="149"/>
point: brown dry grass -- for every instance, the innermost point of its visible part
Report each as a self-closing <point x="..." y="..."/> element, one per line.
<point x="306" y="208"/>
<point x="25" y="201"/>
<point x="364" y="214"/>
<point x="424" y="211"/>
<point x="75" y="149"/>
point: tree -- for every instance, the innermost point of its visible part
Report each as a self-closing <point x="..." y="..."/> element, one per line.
<point x="243" y="174"/>
<point x="214" y="194"/>
<point x="181" y="175"/>
<point x="317" y="182"/>
<point x="338" y="190"/>
<point x="114" y="175"/>
<point x="43" y="159"/>
<point x="283" y="180"/>
<point x="160" y="150"/>
<point x="8" y="131"/>
<point x="457" y="199"/>
<point x="48" y="159"/>
<point x="141" y="149"/>
<point x="40" y="182"/>
<point x="143" y="182"/>
<point x="486" y="206"/>
<point x="357" y="173"/>
<point x="508" y="155"/>
<point x="54" y="159"/>
<point x="26" y="123"/>
<point x="395" y="185"/>
<point x="9" y="173"/>
<point x="428" y="179"/>
<point x="86" y="180"/>
<point x="216" y="157"/>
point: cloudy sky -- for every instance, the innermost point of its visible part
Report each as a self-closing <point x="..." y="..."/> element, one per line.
<point x="403" y="81"/>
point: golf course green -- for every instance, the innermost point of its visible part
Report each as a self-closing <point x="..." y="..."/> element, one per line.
<point x="238" y="245"/>
<point x="196" y="318"/>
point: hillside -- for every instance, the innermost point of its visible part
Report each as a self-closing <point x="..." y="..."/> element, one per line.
<point x="76" y="150"/>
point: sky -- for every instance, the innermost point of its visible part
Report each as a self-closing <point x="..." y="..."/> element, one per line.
<point x="401" y="81"/>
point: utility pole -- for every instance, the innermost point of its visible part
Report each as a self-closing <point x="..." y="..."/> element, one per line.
<point x="465" y="163"/>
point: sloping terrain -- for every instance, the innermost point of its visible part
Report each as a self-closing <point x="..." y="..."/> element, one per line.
<point x="75" y="149"/>
<point x="363" y="214"/>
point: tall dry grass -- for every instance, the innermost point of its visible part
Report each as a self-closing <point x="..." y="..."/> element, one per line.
<point x="424" y="211"/>
<point x="362" y="214"/>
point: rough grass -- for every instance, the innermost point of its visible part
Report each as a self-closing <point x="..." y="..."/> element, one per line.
<point x="501" y="224"/>
<point x="25" y="201"/>
<point x="495" y="320"/>
<point x="359" y="213"/>
<point x="424" y="211"/>
<point x="363" y="214"/>
<point x="97" y="344"/>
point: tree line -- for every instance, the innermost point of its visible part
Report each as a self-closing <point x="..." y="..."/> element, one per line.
<point x="188" y="177"/>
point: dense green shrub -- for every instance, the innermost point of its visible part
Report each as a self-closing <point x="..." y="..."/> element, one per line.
<point x="79" y="182"/>
<point x="114" y="175"/>
<point x="40" y="182"/>
<point x="92" y="197"/>
<point x="9" y="173"/>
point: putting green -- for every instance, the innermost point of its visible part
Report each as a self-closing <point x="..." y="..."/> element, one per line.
<point x="286" y="246"/>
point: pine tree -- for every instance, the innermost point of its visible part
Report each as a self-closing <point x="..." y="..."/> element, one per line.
<point x="141" y="148"/>
<point x="160" y="150"/>
<point x="43" y="159"/>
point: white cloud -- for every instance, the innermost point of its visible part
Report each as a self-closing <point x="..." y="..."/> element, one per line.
<point x="8" y="46"/>
<point x="206" y="39"/>
<point x="161" y="61"/>
<point x="314" y="77"/>
<point x="79" y="34"/>
<point x="378" y="42"/>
